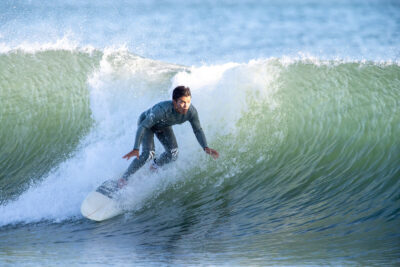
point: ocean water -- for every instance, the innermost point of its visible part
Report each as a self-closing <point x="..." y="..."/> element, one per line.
<point x="301" y="99"/>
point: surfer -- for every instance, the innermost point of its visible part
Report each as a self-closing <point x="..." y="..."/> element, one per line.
<point x="158" y="121"/>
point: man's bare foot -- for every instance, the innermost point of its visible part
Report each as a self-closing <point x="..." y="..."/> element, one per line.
<point x="122" y="183"/>
<point x="153" y="167"/>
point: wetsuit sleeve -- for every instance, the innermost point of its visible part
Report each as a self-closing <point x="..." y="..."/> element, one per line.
<point x="198" y="131"/>
<point x="154" y="115"/>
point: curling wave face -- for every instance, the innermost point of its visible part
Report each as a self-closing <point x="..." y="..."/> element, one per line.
<point x="307" y="146"/>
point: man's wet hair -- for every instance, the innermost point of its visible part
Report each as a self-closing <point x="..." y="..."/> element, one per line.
<point x="180" y="91"/>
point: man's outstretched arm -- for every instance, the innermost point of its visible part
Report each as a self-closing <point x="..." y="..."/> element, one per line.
<point x="200" y="136"/>
<point x="152" y="118"/>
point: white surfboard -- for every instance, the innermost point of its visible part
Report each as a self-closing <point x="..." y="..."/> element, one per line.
<point x="101" y="204"/>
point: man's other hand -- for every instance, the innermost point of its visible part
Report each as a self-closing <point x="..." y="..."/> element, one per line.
<point x="213" y="153"/>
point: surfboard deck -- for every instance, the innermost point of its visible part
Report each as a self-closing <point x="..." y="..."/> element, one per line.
<point x="101" y="204"/>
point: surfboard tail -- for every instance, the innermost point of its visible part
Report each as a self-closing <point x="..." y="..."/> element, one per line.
<point x="101" y="204"/>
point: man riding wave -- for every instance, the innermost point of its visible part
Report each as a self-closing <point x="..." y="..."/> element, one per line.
<point x="158" y="121"/>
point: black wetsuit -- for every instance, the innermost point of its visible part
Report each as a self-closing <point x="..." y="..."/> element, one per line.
<point x="158" y="120"/>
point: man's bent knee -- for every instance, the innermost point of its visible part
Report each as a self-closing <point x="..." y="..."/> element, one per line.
<point x="136" y="164"/>
<point x="174" y="154"/>
<point x="167" y="157"/>
<point x="147" y="155"/>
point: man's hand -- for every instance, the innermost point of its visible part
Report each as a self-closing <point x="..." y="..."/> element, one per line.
<point x="134" y="152"/>
<point x="213" y="153"/>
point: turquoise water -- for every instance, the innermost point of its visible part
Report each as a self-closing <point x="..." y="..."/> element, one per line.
<point x="301" y="99"/>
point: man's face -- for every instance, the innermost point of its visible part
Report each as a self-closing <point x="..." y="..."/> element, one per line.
<point x="182" y="104"/>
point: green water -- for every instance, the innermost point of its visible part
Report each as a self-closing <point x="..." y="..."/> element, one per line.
<point x="309" y="168"/>
<point x="44" y="111"/>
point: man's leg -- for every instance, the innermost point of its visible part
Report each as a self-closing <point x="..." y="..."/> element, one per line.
<point x="168" y="140"/>
<point x="146" y="155"/>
